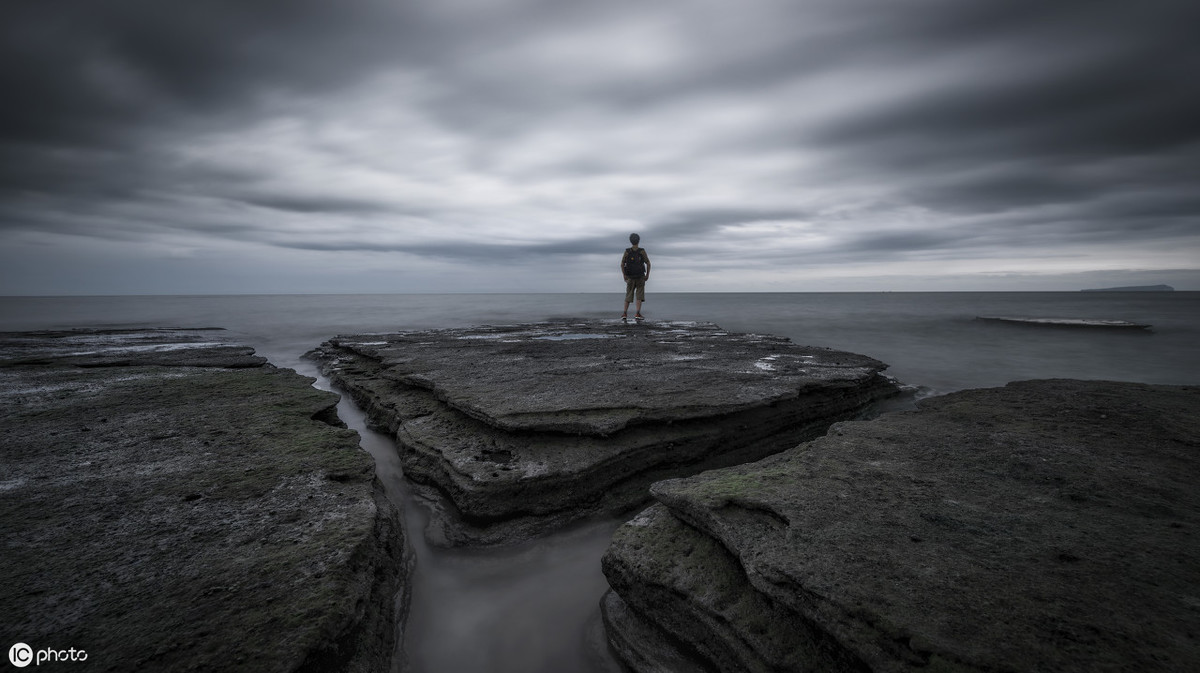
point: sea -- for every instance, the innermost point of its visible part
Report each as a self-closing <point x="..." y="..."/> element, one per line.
<point x="535" y="607"/>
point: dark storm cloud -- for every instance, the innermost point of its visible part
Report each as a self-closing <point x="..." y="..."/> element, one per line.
<point x="1000" y="190"/>
<point x="81" y="70"/>
<point x="1059" y="86"/>
<point x="309" y="205"/>
<point x="1103" y="109"/>
<point x="901" y="242"/>
<point x="771" y="128"/>
<point x="96" y="91"/>
<point x="468" y="251"/>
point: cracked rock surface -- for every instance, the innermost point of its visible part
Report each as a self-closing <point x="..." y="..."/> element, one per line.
<point x="171" y="502"/>
<point x="1046" y="525"/>
<point x="520" y="429"/>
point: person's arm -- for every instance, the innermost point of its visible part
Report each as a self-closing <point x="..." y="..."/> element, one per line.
<point x="622" y="264"/>
<point x="646" y="257"/>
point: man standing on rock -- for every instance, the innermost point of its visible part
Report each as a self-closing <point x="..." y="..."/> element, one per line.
<point x="635" y="267"/>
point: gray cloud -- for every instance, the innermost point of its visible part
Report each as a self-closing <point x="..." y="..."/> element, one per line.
<point x="465" y="134"/>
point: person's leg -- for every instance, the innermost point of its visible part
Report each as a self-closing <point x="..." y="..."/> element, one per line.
<point x="641" y="296"/>
<point x="628" y="297"/>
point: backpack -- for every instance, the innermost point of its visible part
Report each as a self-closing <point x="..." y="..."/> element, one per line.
<point x="634" y="263"/>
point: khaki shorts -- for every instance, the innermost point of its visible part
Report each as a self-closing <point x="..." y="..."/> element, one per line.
<point x="635" y="285"/>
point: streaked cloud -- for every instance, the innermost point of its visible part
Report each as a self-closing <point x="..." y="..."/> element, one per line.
<point x="481" y="145"/>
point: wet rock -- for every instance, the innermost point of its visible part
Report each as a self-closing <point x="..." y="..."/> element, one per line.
<point x="207" y="347"/>
<point x="1046" y="525"/>
<point x="170" y="502"/>
<point x="524" y="428"/>
<point x="1134" y="288"/>
<point x="1083" y="323"/>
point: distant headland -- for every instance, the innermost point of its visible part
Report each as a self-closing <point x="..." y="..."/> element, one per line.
<point x="1134" y="288"/>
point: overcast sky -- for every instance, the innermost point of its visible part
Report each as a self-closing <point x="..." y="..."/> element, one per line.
<point x="304" y="146"/>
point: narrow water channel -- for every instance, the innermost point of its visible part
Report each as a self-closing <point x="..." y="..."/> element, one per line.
<point x="527" y="609"/>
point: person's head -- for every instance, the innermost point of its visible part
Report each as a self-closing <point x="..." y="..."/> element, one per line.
<point x="634" y="238"/>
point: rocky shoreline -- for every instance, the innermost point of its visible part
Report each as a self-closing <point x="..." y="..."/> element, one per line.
<point x="1046" y="525"/>
<point x="173" y="502"/>
<point x="520" y="429"/>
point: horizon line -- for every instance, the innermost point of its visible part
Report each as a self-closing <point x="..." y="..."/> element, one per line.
<point x="469" y="293"/>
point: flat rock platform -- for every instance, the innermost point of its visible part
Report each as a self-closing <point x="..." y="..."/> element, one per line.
<point x="171" y="502"/>
<point x="518" y="429"/>
<point x="1043" y="526"/>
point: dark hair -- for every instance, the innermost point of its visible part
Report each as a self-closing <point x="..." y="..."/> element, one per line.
<point x="634" y="238"/>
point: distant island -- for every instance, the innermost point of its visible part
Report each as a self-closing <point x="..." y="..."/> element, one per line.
<point x="1134" y="288"/>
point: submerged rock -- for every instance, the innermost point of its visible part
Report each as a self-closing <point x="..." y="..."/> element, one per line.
<point x="171" y="502"/>
<point x="1088" y="323"/>
<point x="1134" y="288"/>
<point x="526" y="428"/>
<point x="1046" y="525"/>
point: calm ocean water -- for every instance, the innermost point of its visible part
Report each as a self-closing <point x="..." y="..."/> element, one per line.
<point x="535" y="608"/>
<point x="929" y="339"/>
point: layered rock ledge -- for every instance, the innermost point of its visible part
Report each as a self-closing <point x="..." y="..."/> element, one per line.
<point x="172" y="502"/>
<point x="519" y="429"/>
<point x="1042" y="526"/>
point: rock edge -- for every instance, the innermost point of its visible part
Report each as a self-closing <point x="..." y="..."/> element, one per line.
<point x="516" y="430"/>
<point x="1046" y="525"/>
<point x="172" y="502"/>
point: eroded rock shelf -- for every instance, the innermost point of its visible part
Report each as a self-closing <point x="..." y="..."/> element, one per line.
<point x="520" y="429"/>
<point x="1043" y="526"/>
<point x="172" y="502"/>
